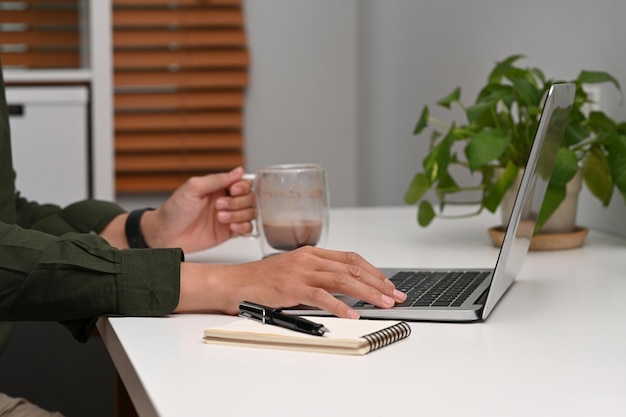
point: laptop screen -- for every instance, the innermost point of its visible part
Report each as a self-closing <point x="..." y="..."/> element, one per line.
<point x="552" y="124"/>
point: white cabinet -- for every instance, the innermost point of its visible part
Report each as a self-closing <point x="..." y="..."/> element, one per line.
<point x="96" y="73"/>
<point x="50" y="142"/>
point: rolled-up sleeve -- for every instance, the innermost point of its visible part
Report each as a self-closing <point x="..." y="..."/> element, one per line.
<point x="83" y="216"/>
<point x="77" y="277"/>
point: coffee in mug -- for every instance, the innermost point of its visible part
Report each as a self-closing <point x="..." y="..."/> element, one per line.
<point x="292" y="206"/>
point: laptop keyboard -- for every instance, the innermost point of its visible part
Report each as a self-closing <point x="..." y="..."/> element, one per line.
<point x="436" y="288"/>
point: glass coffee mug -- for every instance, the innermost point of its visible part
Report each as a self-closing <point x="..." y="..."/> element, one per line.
<point x="292" y="207"/>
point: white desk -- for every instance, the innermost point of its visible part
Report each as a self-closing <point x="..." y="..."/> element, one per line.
<point x="554" y="346"/>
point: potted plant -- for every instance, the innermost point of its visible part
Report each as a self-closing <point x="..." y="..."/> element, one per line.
<point x="494" y="139"/>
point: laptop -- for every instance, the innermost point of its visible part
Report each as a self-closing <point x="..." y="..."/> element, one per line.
<point x="467" y="295"/>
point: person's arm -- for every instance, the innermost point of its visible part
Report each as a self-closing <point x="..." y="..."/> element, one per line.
<point x="307" y="275"/>
<point x="78" y="277"/>
<point x="202" y="213"/>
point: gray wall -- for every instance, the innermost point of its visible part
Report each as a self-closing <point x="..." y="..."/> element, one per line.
<point x="301" y="105"/>
<point x="342" y="82"/>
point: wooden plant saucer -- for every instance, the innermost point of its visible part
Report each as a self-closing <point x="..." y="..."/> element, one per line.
<point x="546" y="241"/>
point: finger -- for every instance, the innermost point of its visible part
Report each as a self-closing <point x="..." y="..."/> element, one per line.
<point x="385" y="286"/>
<point x="240" y="188"/>
<point x="359" y="268"/>
<point x="350" y="258"/>
<point x="213" y="182"/>
<point x="235" y="203"/>
<point x="318" y="297"/>
<point x="363" y="271"/>
<point x="345" y="283"/>
<point x="239" y="216"/>
<point x="241" y="228"/>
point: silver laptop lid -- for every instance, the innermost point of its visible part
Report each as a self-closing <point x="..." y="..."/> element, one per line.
<point x="554" y="117"/>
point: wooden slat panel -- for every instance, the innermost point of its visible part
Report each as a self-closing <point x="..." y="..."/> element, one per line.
<point x="37" y="39"/>
<point x="175" y="162"/>
<point x="184" y="79"/>
<point x="180" y="75"/>
<point x="218" y="17"/>
<point x="186" y="121"/>
<point x="41" y="59"/>
<point x="47" y="35"/>
<point x="177" y="141"/>
<point x="47" y="3"/>
<point x="183" y="59"/>
<point x="151" y="183"/>
<point x="178" y="2"/>
<point x="184" y="39"/>
<point x="40" y="17"/>
<point x="179" y="101"/>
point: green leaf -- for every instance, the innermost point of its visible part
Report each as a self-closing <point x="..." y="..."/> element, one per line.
<point x="555" y="195"/>
<point x="575" y="133"/>
<point x="492" y="93"/>
<point x="529" y="94"/>
<point x="498" y="72"/>
<point x="425" y="213"/>
<point x="418" y="187"/>
<point x="485" y="147"/>
<point x="453" y="97"/>
<point x="499" y="188"/>
<point x="533" y="110"/>
<point x="596" y="77"/>
<point x="436" y="163"/>
<point x="422" y="122"/>
<point x="538" y="74"/>
<point x="483" y="111"/>
<point x="565" y="167"/>
<point x="597" y="176"/>
<point x="477" y="110"/>
<point x="600" y="122"/>
<point x="617" y="162"/>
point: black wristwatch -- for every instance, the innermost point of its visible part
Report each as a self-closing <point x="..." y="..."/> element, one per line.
<point x="133" y="229"/>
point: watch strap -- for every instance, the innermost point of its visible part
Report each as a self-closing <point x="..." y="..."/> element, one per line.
<point x="134" y="236"/>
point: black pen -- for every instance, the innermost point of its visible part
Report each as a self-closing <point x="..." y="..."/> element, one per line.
<point x="275" y="316"/>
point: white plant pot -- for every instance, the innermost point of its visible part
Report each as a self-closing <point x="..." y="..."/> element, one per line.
<point x="563" y="220"/>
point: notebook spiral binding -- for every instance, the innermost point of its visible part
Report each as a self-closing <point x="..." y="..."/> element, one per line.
<point x="387" y="336"/>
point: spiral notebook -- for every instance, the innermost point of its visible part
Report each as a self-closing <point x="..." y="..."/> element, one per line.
<point x="345" y="336"/>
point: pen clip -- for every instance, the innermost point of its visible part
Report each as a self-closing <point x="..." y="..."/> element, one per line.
<point x="254" y="311"/>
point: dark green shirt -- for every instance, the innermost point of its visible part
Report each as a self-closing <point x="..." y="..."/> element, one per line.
<point x="54" y="266"/>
